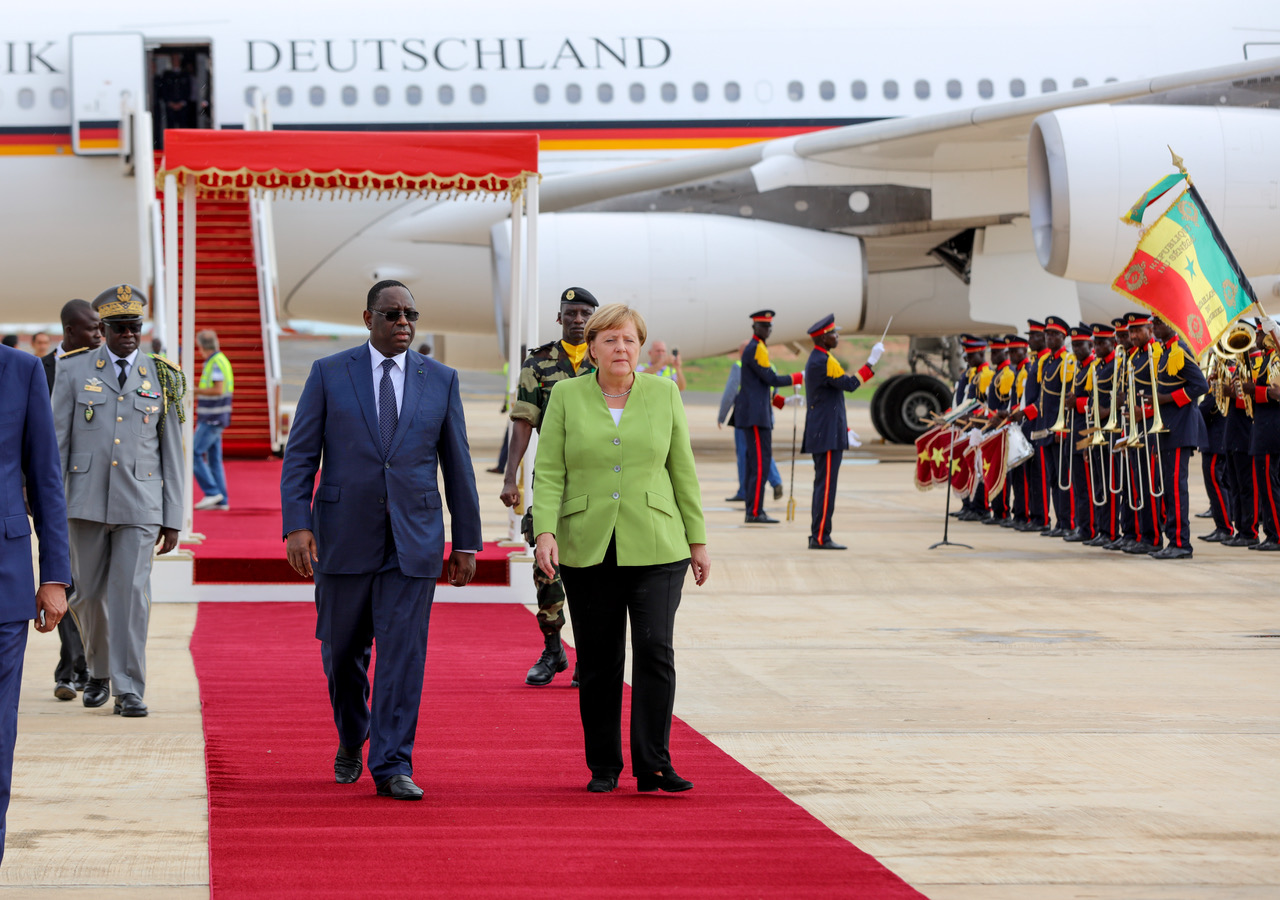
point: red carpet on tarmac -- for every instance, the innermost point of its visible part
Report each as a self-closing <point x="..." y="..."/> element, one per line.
<point x="506" y="812"/>
<point x="243" y="545"/>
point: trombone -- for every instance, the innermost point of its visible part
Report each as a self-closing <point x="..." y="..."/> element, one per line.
<point x="1115" y="426"/>
<point x="1155" y="427"/>
<point x="1132" y="440"/>
<point x="1061" y="427"/>
<point x="1098" y="492"/>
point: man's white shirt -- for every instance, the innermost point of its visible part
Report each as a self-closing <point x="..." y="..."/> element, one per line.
<point x="397" y="376"/>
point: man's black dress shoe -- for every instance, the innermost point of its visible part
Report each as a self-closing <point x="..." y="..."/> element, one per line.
<point x="762" y="519"/>
<point x="992" y="520"/>
<point x="1240" y="540"/>
<point x="347" y="765"/>
<point x="777" y="492"/>
<point x="1266" y="546"/>
<point x="96" y="692"/>
<point x="1028" y="526"/>
<point x="1057" y="532"/>
<point x="1097" y="540"/>
<point x="668" y="781"/>
<point x="573" y="682"/>
<point x="130" y="706"/>
<point x="401" y="787"/>
<point x="552" y="660"/>
<point x="1171" y="552"/>
<point x="64" y="691"/>
<point x="1117" y="544"/>
<point x="1217" y="536"/>
<point x="1076" y="536"/>
<point x="736" y="498"/>
<point x="602" y="784"/>
<point x="1008" y="522"/>
<point x="1207" y="514"/>
<point x="1137" y="547"/>
<point x="829" y="545"/>
<point x="968" y="515"/>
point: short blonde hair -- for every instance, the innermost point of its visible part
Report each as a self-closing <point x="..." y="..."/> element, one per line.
<point x="612" y="317"/>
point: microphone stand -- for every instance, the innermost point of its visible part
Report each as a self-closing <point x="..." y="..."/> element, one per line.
<point x="946" y="519"/>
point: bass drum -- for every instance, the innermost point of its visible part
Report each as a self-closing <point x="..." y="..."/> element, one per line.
<point x="909" y="403"/>
<point x="877" y="406"/>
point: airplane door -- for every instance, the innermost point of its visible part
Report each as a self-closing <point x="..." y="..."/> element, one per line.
<point x="104" y="67"/>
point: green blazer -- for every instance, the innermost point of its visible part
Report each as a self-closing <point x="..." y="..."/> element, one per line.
<point x="634" y="480"/>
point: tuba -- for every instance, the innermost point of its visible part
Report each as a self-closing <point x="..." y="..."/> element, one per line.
<point x="1233" y="349"/>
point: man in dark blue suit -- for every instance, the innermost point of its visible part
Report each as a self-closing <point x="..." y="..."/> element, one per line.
<point x="28" y="448"/>
<point x="374" y="538"/>
<point x="826" y="428"/>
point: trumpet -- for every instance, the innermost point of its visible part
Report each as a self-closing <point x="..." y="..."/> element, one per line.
<point x="1233" y="348"/>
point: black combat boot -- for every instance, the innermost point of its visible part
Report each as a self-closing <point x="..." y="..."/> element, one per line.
<point x="552" y="660"/>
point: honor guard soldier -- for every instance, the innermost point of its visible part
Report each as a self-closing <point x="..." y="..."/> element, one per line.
<point x="1144" y="479"/>
<point x="1106" y="516"/>
<point x="751" y="411"/>
<point x="826" y="429"/>
<point x="1119" y="473"/>
<point x="1028" y="415"/>
<point x="1056" y="373"/>
<point x="973" y="386"/>
<point x="1178" y="382"/>
<point x="1236" y="441"/>
<point x="118" y="413"/>
<point x="999" y="401"/>
<point x="1215" y="468"/>
<point x="1020" y="503"/>
<point x="1264" y="441"/>
<point x="1081" y="481"/>
<point x="542" y="368"/>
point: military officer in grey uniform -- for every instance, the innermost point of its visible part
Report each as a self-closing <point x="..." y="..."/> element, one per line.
<point x="118" y="414"/>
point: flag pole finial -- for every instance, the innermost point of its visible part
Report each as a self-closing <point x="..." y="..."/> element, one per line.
<point x="1177" y="161"/>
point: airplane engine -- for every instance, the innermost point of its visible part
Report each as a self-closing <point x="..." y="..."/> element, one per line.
<point x="1086" y="166"/>
<point x="695" y="278"/>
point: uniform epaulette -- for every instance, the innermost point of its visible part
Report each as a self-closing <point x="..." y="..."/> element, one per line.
<point x="544" y="350"/>
<point x="172" y="365"/>
<point x="74" y="352"/>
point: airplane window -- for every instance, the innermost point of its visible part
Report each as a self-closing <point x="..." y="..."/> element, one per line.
<point x="669" y="93"/>
<point x="284" y="95"/>
<point x="604" y="93"/>
<point x="859" y="90"/>
<point x="637" y="93"/>
<point x="572" y="93"/>
<point x="1110" y="80"/>
<point x="795" y="91"/>
<point x="700" y="92"/>
<point x="477" y="94"/>
<point x="922" y="89"/>
<point x="316" y="96"/>
<point x="349" y="96"/>
<point x="413" y="95"/>
<point x="827" y="90"/>
<point x="953" y="89"/>
<point x="1048" y="86"/>
<point x="541" y="93"/>
<point x="1017" y="87"/>
<point x="26" y="98"/>
<point x="444" y="94"/>
<point x="382" y="95"/>
<point x="891" y="90"/>
<point x="986" y="90"/>
<point x="249" y="94"/>
<point x="1080" y="82"/>
<point x="58" y="98"/>
<point x="732" y="91"/>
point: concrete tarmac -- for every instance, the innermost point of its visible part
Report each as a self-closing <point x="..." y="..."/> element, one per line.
<point x="1026" y="719"/>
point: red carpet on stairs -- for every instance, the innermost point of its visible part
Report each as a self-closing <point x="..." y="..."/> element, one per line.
<point x="506" y="812"/>
<point x="243" y="545"/>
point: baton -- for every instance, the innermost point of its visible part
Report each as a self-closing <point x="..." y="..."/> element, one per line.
<point x="791" y="501"/>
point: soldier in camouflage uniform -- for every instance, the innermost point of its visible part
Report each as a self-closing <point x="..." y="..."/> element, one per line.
<point x="545" y="365"/>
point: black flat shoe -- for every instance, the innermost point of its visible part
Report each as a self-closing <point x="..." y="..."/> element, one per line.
<point x="96" y="692"/>
<point x="1171" y="552"/>
<point x="1117" y="544"/>
<point x="1076" y="536"/>
<point x="1217" y="536"/>
<point x="762" y="519"/>
<point x="1207" y="514"/>
<point x="130" y="706"/>
<point x="668" y="781"/>
<point x="1137" y="547"/>
<point x="829" y="545"/>
<point x="602" y="784"/>
<point x="1266" y="546"/>
<point x="401" y="787"/>
<point x="347" y="765"/>
<point x="64" y="691"/>
<point x="1240" y="540"/>
<point x="736" y="498"/>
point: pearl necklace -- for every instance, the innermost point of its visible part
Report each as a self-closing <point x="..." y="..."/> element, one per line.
<point x="616" y="396"/>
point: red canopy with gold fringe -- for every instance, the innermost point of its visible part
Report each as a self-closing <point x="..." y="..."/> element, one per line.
<point x="352" y="162"/>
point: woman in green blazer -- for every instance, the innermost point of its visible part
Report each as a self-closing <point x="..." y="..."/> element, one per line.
<point x="617" y="506"/>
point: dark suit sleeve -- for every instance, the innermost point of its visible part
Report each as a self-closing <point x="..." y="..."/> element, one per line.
<point x="43" y="469"/>
<point x="459" y="476"/>
<point x="850" y="381"/>
<point x="302" y="454"/>
<point x="49" y="361"/>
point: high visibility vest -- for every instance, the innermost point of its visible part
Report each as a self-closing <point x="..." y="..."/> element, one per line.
<point x="216" y="410"/>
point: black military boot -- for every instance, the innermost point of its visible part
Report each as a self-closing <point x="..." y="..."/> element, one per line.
<point x="552" y="660"/>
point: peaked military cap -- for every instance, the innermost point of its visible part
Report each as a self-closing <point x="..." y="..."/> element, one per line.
<point x="1057" y="323"/>
<point x="1015" y="340"/>
<point x="124" y="301"/>
<point x="763" y="315"/>
<point x="972" y="343"/>
<point x="823" y="325"/>
<point x="998" y="343"/>
<point x="579" y="295"/>
<point x="1035" y="325"/>
<point x="1081" y="332"/>
<point x="1120" y="325"/>
<point x="1103" y="330"/>
<point x="1137" y="318"/>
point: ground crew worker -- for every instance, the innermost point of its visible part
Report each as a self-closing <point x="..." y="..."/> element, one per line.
<point x="751" y="411"/>
<point x="118" y="413"/>
<point x="542" y="368"/>
<point x="826" y="428"/>
<point x="214" y="396"/>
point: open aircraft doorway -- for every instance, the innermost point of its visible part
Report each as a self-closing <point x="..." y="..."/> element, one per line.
<point x="180" y="87"/>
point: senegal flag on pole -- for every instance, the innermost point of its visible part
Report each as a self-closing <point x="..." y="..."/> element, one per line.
<point x="1183" y="270"/>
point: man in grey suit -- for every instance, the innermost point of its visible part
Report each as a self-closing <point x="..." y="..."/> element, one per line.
<point x="118" y="415"/>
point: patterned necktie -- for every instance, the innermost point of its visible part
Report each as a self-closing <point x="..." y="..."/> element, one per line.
<point x="388" y="415"/>
<point x="124" y="366"/>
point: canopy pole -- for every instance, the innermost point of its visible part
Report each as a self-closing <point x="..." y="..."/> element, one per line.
<point x="514" y="357"/>
<point x="531" y="310"/>
<point x="187" y="347"/>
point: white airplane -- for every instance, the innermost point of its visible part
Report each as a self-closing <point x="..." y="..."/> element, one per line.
<point x="949" y="167"/>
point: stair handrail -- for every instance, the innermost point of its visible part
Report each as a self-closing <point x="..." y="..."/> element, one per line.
<point x="258" y="118"/>
<point x="138" y="161"/>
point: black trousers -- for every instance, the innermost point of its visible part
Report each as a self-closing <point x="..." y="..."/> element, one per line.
<point x="826" y="473"/>
<point x="1058" y="462"/>
<point x="71" y="663"/>
<point x="600" y="599"/>
<point x="1245" y="496"/>
<point x="1175" y="462"/>
<point x="759" y="459"/>
<point x="1217" y="484"/>
<point x="1089" y="483"/>
<point x="1118" y="482"/>
<point x="1267" y="474"/>
<point x="1037" y="469"/>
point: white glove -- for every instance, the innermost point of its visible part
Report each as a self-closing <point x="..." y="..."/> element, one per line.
<point x="877" y="351"/>
<point x="1268" y="324"/>
<point x="854" y="441"/>
<point x="794" y="400"/>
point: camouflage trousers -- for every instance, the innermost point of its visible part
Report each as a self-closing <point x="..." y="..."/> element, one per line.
<point x="550" y="601"/>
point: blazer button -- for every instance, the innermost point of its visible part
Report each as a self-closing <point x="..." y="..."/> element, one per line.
<point x="117" y="440"/>
<point x="617" y="440"/>
<point x="382" y="499"/>
<point x="617" y="468"/>
<point x="615" y="493"/>
<point x="119" y="418"/>
<point x="114" y="463"/>
<point x="387" y="465"/>
<point x="121" y="399"/>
